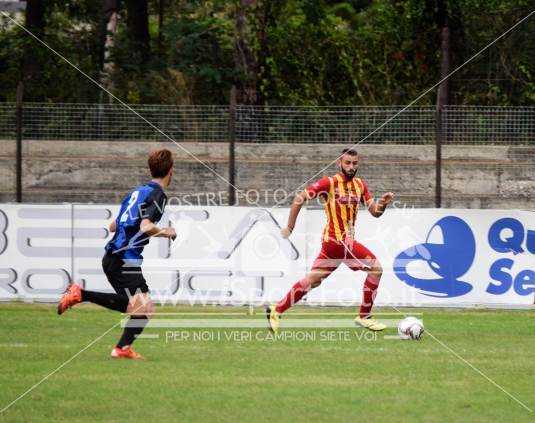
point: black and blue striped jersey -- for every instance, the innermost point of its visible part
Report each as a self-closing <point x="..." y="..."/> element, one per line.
<point x="144" y="202"/>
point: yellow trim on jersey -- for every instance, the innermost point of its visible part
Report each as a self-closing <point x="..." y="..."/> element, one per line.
<point x="328" y="225"/>
<point x="351" y="211"/>
<point x="366" y="202"/>
<point x="357" y="187"/>
<point x="332" y="204"/>
<point x="359" y="194"/>
<point x="343" y="210"/>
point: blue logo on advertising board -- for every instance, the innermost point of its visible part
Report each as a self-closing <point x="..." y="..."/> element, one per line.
<point x="449" y="251"/>
<point x="508" y="235"/>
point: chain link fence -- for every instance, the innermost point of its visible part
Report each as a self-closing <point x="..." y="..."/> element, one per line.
<point x="94" y="153"/>
<point x="333" y="125"/>
<point x="488" y="157"/>
<point x="291" y="147"/>
<point x="81" y="122"/>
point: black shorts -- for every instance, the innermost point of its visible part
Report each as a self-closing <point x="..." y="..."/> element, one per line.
<point x="125" y="280"/>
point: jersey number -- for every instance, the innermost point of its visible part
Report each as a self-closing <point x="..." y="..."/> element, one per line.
<point x="131" y="202"/>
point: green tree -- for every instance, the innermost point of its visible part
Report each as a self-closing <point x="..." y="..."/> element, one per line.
<point x="302" y="52"/>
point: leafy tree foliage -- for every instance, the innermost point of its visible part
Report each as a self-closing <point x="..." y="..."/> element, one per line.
<point x="302" y="52"/>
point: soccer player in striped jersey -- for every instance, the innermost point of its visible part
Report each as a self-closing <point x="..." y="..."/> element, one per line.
<point x="141" y="209"/>
<point x="341" y="194"/>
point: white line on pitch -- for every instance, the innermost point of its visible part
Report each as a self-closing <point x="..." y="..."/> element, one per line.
<point x="148" y="336"/>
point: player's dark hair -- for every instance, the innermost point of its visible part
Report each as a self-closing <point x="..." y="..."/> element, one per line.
<point x="160" y="163"/>
<point x="350" y="151"/>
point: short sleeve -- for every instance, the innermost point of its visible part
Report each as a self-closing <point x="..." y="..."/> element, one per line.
<point x="366" y="198"/>
<point x="154" y="206"/>
<point x="321" y="186"/>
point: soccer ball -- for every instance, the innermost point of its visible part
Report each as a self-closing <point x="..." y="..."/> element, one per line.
<point x="411" y="328"/>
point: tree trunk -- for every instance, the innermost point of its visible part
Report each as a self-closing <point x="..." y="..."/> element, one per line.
<point x="137" y="23"/>
<point x="110" y="17"/>
<point x="445" y="68"/>
<point x="35" y="23"/>
<point x="262" y="76"/>
<point x="35" y="16"/>
<point x="244" y="57"/>
<point x="445" y="59"/>
<point x="457" y="47"/>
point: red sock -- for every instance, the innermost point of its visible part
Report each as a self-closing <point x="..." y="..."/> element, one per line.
<point x="297" y="292"/>
<point x="369" y="292"/>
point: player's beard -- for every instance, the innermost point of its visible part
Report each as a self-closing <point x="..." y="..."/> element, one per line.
<point x="348" y="174"/>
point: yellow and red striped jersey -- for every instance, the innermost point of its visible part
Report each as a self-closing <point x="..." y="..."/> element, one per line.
<point x="341" y="197"/>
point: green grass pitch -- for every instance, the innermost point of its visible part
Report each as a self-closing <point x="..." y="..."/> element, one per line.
<point x="259" y="379"/>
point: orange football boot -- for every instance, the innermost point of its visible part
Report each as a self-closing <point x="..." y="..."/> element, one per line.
<point x="126" y="352"/>
<point x="72" y="296"/>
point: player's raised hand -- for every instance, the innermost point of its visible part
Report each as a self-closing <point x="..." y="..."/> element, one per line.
<point x="387" y="198"/>
<point x="171" y="233"/>
<point x="286" y="232"/>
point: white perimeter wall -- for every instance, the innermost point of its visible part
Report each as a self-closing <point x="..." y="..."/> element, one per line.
<point x="236" y="256"/>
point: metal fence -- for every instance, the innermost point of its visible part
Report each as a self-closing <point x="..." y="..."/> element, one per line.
<point x="489" y="125"/>
<point x="334" y="125"/>
<point x="79" y="122"/>
<point x="462" y="124"/>
<point x="75" y="152"/>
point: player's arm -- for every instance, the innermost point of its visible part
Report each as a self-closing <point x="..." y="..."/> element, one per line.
<point x="152" y="212"/>
<point x="377" y="209"/>
<point x="113" y="226"/>
<point x="297" y="203"/>
<point x="320" y="188"/>
<point x="151" y="229"/>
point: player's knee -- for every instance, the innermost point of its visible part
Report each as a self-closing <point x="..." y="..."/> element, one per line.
<point x="142" y="312"/>
<point x="376" y="269"/>
<point x="137" y="312"/>
<point x="308" y="283"/>
<point x="140" y="305"/>
<point x="315" y="279"/>
<point x="148" y="311"/>
<point x="315" y="283"/>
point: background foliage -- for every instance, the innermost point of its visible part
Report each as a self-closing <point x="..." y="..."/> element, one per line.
<point x="291" y="52"/>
